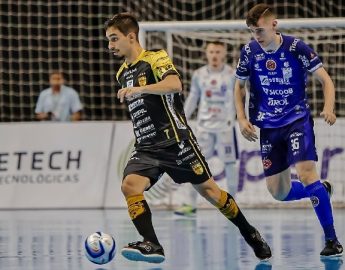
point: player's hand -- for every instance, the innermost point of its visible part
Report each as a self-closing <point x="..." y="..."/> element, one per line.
<point x="127" y="92"/>
<point x="328" y="116"/>
<point x="247" y="129"/>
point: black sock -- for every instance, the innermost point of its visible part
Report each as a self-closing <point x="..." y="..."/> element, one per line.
<point x="141" y="216"/>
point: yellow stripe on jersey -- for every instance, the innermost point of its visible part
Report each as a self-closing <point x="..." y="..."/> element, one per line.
<point x="171" y="121"/>
<point x="197" y="152"/>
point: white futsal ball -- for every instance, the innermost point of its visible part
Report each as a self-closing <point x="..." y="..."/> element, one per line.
<point x="100" y="248"/>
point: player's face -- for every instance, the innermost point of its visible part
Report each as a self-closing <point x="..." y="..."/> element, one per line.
<point x="118" y="43"/>
<point x="56" y="80"/>
<point x="215" y="55"/>
<point x="265" y="31"/>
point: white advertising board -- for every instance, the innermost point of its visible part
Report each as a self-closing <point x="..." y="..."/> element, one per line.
<point x="252" y="189"/>
<point x="54" y="165"/>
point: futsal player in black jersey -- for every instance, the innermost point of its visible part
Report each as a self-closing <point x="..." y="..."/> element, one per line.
<point x="151" y="87"/>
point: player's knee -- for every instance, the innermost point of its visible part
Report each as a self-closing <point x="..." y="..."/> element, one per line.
<point x="128" y="187"/>
<point x="276" y="194"/>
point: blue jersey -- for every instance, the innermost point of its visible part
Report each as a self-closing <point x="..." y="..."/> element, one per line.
<point x="278" y="81"/>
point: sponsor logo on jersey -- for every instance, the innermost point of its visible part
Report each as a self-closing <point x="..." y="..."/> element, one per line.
<point x="266" y="163"/>
<point x="259" y="57"/>
<point x="139" y="113"/>
<point x="197" y="167"/>
<point x="214" y="82"/>
<point x="277" y="102"/>
<point x="264" y="80"/>
<point x="292" y="47"/>
<point x="314" y="201"/>
<point x="142" y="79"/>
<point x="247" y="49"/>
<point x="260" y="117"/>
<point x="129" y="83"/>
<point x="223" y="88"/>
<point x="184" y="150"/>
<point x="130" y="71"/>
<point x="271" y="64"/>
<point x="266" y="148"/>
<point x="135" y="104"/>
<point x="278" y="92"/>
<point x="181" y="145"/>
<point x="257" y="67"/>
<point x="304" y="60"/>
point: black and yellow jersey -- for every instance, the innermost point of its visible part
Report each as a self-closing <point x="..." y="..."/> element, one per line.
<point x="158" y="120"/>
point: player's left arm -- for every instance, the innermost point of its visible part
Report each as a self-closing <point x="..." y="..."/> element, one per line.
<point x="329" y="95"/>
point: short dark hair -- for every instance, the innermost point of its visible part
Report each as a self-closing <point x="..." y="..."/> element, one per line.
<point x="57" y="72"/>
<point x="258" y="11"/>
<point x="215" y="42"/>
<point x="125" y="22"/>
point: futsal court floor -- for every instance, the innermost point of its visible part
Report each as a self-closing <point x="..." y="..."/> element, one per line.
<point x="53" y="240"/>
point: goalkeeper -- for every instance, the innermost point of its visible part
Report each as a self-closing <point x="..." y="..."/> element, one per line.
<point x="212" y="92"/>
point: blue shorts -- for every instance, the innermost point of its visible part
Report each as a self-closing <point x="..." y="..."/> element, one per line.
<point x="284" y="146"/>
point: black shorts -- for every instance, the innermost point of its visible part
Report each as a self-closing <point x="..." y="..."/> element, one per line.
<point x="183" y="162"/>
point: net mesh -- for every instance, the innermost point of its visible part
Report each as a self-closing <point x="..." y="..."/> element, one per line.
<point x="188" y="55"/>
<point x="38" y="37"/>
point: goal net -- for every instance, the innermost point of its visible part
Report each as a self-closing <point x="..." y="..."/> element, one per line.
<point x="185" y="42"/>
<point x="40" y="36"/>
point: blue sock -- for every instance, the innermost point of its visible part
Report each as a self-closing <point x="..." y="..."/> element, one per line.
<point x="296" y="192"/>
<point x="322" y="206"/>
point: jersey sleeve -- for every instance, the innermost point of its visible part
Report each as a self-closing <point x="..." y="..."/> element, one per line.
<point x="307" y="56"/>
<point x="242" y="69"/>
<point x="193" y="97"/>
<point x="162" y="65"/>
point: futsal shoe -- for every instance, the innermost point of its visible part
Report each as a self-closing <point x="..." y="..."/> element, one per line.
<point x="185" y="211"/>
<point x="259" y="245"/>
<point x="332" y="249"/>
<point x="145" y="251"/>
<point x="329" y="187"/>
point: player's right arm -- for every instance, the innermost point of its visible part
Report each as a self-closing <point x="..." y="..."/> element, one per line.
<point x="192" y="100"/>
<point x="247" y="129"/>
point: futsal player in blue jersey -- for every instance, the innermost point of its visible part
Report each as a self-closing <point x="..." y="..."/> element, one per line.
<point x="276" y="67"/>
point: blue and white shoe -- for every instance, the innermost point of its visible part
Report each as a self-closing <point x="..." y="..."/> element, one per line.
<point x="145" y="251"/>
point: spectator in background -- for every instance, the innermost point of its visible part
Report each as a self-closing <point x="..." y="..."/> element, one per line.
<point x="58" y="102"/>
